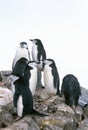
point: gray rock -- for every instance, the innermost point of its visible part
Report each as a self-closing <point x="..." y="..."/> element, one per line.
<point x="61" y="116"/>
<point x="86" y="111"/>
<point x="26" y="123"/>
<point x="5" y="96"/>
<point x="53" y="127"/>
<point x="83" y="125"/>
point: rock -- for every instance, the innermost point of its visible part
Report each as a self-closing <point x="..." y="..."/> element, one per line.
<point x="86" y="111"/>
<point x="65" y="110"/>
<point x="61" y="122"/>
<point x="27" y="123"/>
<point x="83" y="125"/>
<point x="6" y="80"/>
<point x="5" y="96"/>
<point x="6" y="115"/>
<point x="52" y="127"/>
<point x="84" y="92"/>
<point x="60" y="116"/>
<point x="83" y="100"/>
<point x="41" y="93"/>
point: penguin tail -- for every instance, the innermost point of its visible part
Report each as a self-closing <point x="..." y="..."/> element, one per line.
<point x="39" y="114"/>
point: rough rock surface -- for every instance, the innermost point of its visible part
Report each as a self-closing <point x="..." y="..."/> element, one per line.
<point x="60" y="116"/>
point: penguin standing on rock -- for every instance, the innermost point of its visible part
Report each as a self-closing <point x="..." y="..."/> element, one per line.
<point x="22" y="51"/>
<point x="51" y="77"/>
<point x="38" y="51"/>
<point x="38" y="55"/>
<point x="23" y="100"/>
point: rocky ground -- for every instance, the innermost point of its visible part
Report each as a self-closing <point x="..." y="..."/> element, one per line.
<point x="61" y="116"/>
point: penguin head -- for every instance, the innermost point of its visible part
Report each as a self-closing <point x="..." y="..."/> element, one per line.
<point x="32" y="64"/>
<point x="48" y="61"/>
<point x="36" y="41"/>
<point x="23" y="45"/>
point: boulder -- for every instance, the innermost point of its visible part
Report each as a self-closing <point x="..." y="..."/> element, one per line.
<point x="5" y="96"/>
<point x="83" y="125"/>
<point x="60" y="116"/>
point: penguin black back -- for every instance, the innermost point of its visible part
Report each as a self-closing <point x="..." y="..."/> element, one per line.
<point x="20" y="67"/>
<point x="55" y="75"/>
<point x="24" y="105"/>
<point x="22" y="89"/>
<point x="41" y="53"/>
<point x="41" y="50"/>
<point x="51" y="77"/>
<point x="71" y="90"/>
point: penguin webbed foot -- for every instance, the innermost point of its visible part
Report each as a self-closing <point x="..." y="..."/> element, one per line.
<point x="59" y="94"/>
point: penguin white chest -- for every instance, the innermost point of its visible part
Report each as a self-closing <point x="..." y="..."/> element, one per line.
<point x="19" y="54"/>
<point x="49" y="81"/>
<point x="20" y="106"/>
<point x="34" y="53"/>
<point x="33" y="80"/>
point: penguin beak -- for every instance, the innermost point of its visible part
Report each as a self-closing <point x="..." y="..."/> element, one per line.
<point x="31" y="40"/>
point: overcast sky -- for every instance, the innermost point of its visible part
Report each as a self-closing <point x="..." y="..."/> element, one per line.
<point x="62" y="26"/>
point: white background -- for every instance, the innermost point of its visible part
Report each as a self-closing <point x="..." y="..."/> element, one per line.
<point x="62" y="26"/>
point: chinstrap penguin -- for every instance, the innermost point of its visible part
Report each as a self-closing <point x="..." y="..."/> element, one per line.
<point x="22" y="51"/>
<point x="23" y="100"/>
<point x="38" y="54"/>
<point x="38" y="51"/>
<point x="71" y="90"/>
<point x="51" y="77"/>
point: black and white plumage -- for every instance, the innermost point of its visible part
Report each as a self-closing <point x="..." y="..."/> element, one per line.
<point x="38" y="51"/>
<point x="51" y="77"/>
<point x="38" y="55"/>
<point x="22" y="51"/>
<point x="33" y="76"/>
<point x="23" y="100"/>
<point x="71" y="90"/>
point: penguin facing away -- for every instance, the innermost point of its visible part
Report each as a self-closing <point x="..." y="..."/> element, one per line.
<point x="71" y="90"/>
<point x="51" y="77"/>
<point x="23" y="100"/>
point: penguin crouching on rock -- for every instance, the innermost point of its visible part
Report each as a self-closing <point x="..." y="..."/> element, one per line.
<point x="23" y="100"/>
<point x="71" y="90"/>
<point x="51" y="77"/>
